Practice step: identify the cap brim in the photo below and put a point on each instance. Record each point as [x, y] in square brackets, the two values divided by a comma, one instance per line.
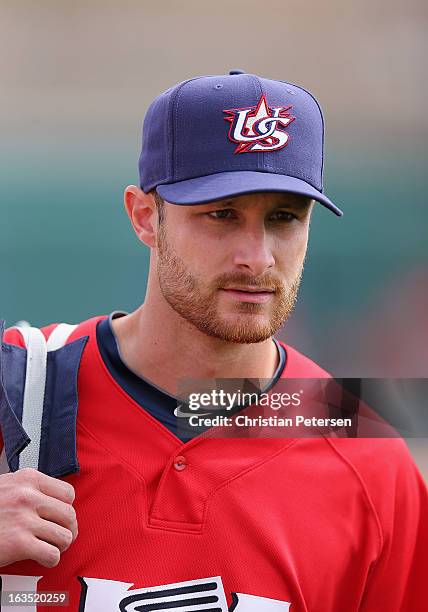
[229, 184]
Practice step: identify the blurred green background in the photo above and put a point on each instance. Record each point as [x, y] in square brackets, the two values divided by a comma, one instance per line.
[77, 79]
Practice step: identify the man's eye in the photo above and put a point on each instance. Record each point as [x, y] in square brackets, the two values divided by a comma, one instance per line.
[220, 214]
[283, 215]
[225, 213]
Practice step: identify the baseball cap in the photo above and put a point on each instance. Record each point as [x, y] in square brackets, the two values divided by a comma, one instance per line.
[213, 137]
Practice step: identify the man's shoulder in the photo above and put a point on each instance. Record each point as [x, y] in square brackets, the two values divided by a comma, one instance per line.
[387, 473]
[376, 459]
[380, 463]
[387, 451]
[298, 365]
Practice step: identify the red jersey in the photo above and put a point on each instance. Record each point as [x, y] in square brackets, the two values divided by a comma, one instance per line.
[250, 525]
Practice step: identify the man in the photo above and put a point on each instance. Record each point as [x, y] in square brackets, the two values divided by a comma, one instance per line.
[230, 169]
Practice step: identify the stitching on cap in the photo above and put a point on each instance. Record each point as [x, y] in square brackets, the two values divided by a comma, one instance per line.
[170, 161]
[322, 123]
[155, 177]
[177, 96]
[172, 101]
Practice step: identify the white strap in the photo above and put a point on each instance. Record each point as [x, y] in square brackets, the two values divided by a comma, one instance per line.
[34, 394]
[60, 335]
[35, 382]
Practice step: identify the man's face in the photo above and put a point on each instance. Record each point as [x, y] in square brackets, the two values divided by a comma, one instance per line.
[232, 268]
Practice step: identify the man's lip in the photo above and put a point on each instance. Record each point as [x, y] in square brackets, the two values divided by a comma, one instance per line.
[247, 294]
[249, 289]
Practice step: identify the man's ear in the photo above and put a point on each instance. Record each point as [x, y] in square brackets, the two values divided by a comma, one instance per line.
[141, 210]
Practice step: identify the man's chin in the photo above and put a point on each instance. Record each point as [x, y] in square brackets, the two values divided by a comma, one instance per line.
[245, 329]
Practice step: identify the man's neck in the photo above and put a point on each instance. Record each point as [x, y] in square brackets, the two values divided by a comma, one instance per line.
[176, 350]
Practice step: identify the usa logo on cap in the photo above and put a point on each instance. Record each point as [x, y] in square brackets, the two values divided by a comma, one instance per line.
[257, 128]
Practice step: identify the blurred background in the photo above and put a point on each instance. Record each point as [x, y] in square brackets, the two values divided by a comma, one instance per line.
[76, 81]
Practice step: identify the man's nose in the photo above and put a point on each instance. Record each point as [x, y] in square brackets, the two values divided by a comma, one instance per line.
[253, 252]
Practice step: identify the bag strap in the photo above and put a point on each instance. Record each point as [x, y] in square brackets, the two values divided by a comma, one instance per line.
[59, 336]
[34, 394]
[35, 381]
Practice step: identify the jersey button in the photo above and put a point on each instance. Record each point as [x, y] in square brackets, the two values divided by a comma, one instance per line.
[180, 463]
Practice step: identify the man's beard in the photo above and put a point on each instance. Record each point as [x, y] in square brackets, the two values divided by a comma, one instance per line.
[199, 305]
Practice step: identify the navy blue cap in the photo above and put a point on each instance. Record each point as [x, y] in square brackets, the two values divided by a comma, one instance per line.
[213, 137]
